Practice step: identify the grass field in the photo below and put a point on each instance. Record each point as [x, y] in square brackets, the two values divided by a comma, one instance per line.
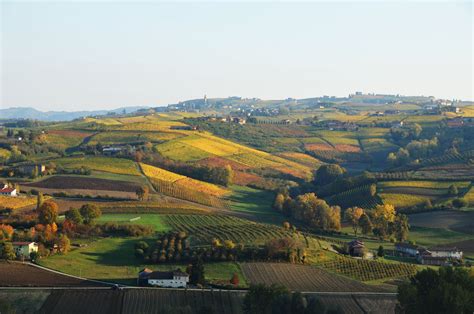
[112, 259]
[154, 220]
[257, 203]
[106, 164]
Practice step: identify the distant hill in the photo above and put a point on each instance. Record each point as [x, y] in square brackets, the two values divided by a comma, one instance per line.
[31, 113]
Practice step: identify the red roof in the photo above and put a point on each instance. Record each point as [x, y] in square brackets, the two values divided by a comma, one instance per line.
[7, 190]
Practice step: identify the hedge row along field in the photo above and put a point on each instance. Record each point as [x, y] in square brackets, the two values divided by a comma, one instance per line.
[105, 164]
[203, 228]
[301, 278]
[368, 270]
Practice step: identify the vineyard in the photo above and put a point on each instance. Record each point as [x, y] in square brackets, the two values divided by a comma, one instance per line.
[203, 228]
[106, 164]
[127, 137]
[360, 196]
[300, 278]
[368, 270]
[16, 202]
[403, 200]
[189, 194]
[180, 186]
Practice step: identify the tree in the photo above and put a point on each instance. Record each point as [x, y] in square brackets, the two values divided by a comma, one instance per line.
[286, 225]
[197, 275]
[142, 192]
[353, 214]
[39, 200]
[460, 202]
[380, 251]
[328, 173]
[64, 244]
[6, 232]
[228, 176]
[7, 252]
[453, 190]
[228, 244]
[74, 216]
[279, 201]
[384, 215]
[401, 227]
[48, 212]
[448, 290]
[365, 224]
[89, 212]
[235, 279]
[261, 299]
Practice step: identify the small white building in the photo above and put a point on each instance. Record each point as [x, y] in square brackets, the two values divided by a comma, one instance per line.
[24, 249]
[407, 249]
[172, 279]
[8, 191]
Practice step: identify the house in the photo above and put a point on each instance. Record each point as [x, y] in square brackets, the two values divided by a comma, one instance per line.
[407, 249]
[239, 120]
[397, 125]
[6, 190]
[427, 259]
[285, 121]
[111, 150]
[24, 249]
[171, 279]
[449, 252]
[356, 248]
[455, 123]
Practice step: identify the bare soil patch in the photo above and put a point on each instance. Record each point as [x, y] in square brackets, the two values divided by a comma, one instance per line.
[24, 275]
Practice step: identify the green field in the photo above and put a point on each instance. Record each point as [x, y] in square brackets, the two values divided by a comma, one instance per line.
[112, 259]
[256, 203]
[106, 164]
[157, 221]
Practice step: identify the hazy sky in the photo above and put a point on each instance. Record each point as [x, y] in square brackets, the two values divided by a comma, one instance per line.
[88, 55]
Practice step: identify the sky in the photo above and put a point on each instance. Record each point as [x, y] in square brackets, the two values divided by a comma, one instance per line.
[102, 55]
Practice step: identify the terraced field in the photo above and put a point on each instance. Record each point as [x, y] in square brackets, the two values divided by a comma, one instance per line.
[402, 200]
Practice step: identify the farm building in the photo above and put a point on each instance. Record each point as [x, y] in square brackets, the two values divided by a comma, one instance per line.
[24, 249]
[111, 150]
[449, 252]
[407, 249]
[428, 259]
[6, 190]
[356, 248]
[172, 279]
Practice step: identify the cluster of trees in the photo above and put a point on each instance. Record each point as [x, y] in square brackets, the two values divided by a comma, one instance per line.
[383, 221]
[276, 299]
[447, 290]
[175, 247]
[410, 132]
[414, 150]
[310, 209]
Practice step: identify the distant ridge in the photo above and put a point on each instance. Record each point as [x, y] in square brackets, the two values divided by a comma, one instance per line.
[32, 113]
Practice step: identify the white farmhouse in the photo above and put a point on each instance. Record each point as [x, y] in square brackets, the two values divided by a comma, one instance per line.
[172, 279]
[24, 249]
[8, 191]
